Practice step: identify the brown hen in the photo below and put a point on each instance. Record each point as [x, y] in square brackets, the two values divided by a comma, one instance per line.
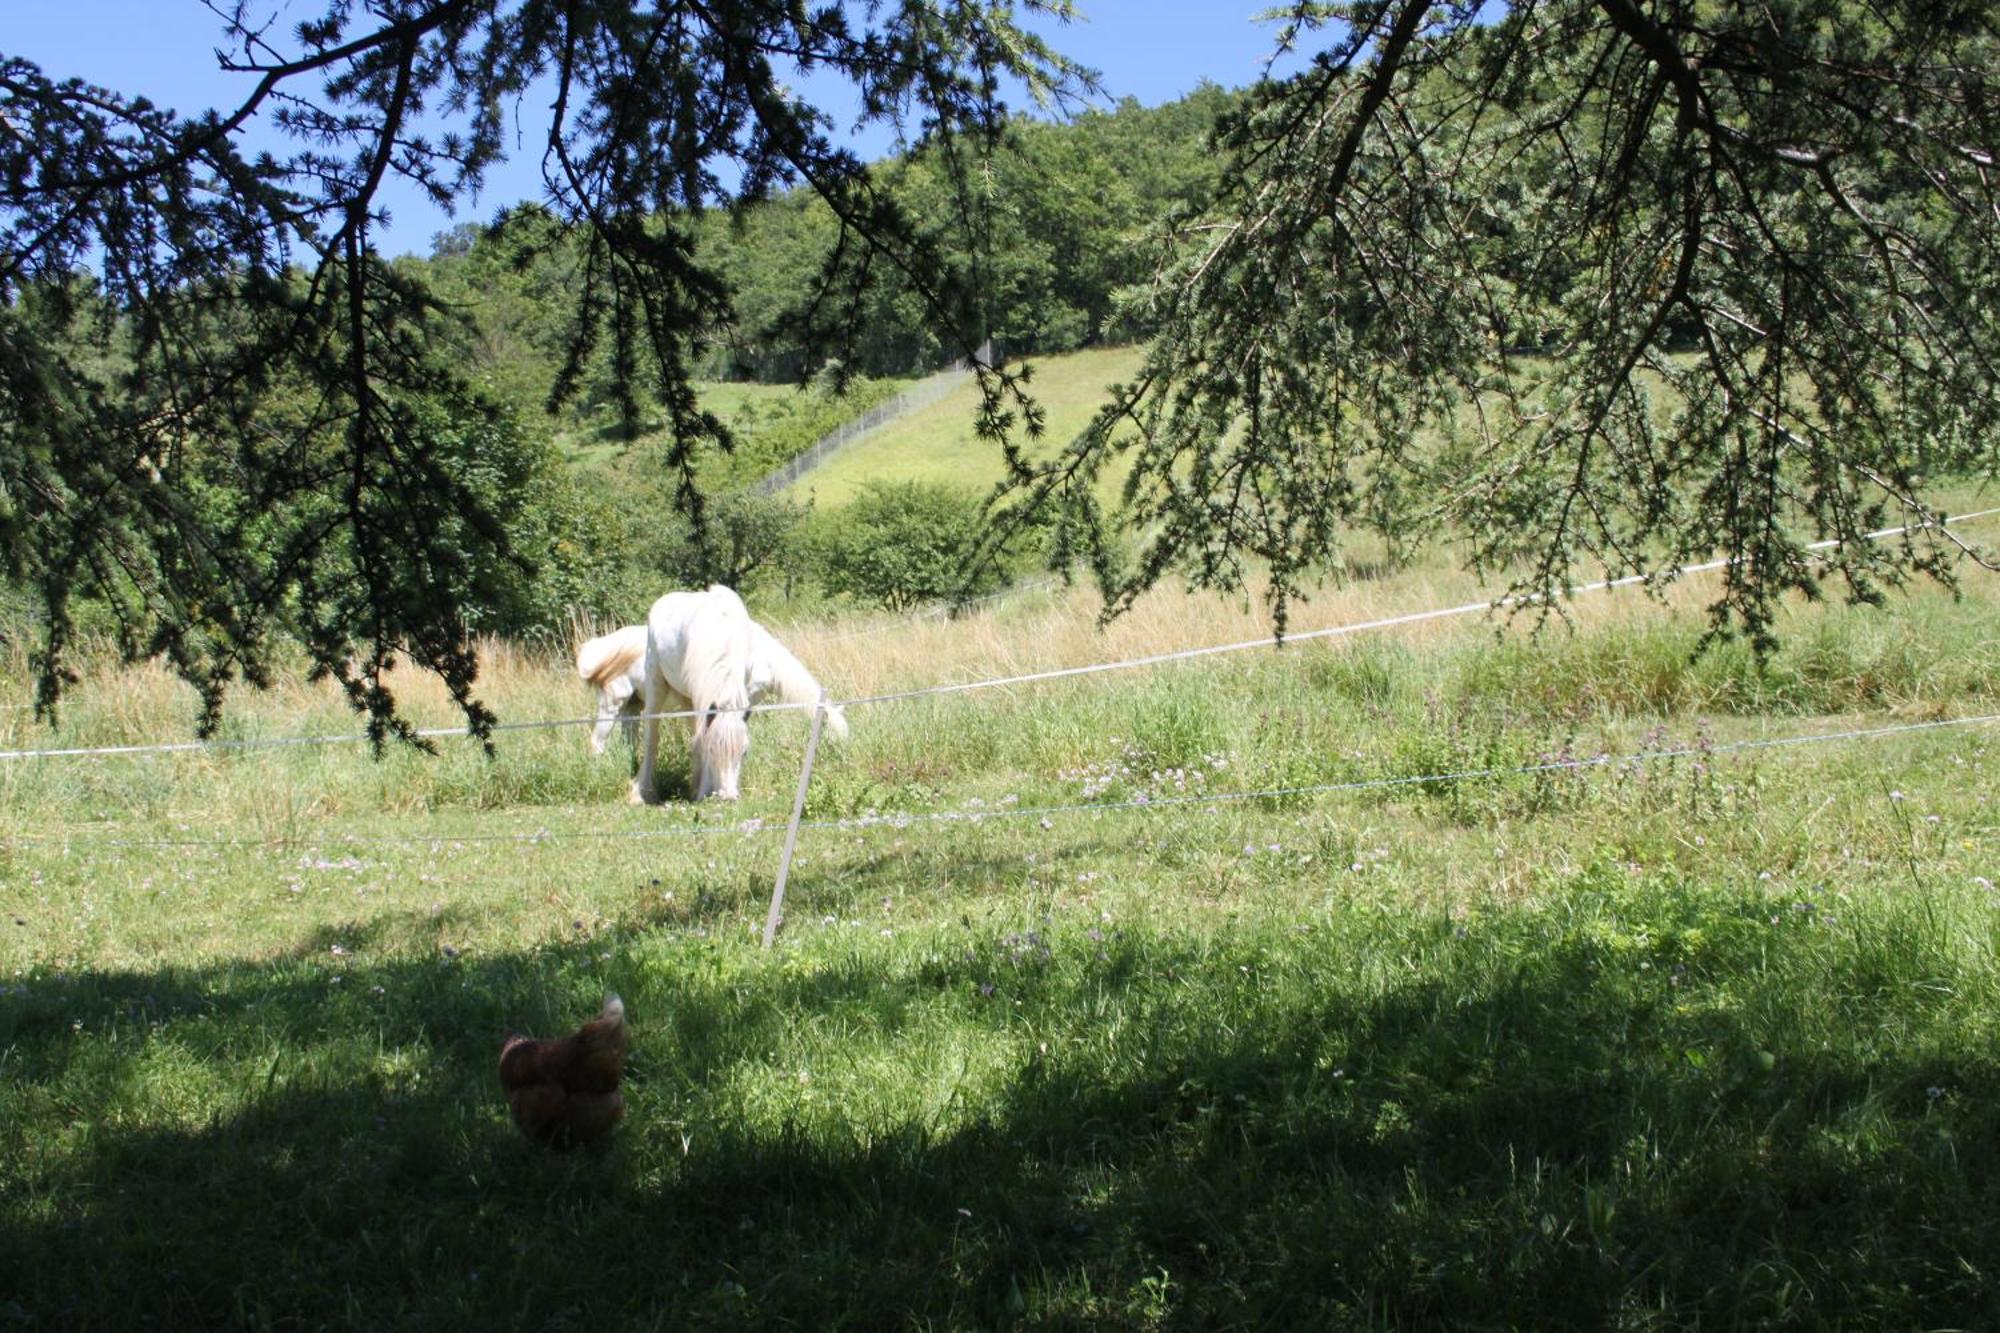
[564, 1091]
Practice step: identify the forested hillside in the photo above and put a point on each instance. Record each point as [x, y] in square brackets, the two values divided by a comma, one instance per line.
[1070, 209]
[1580, 287]
[1067, 215]
[599, 518]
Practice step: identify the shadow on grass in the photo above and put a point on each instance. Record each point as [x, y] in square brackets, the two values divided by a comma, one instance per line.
[1480, 1144]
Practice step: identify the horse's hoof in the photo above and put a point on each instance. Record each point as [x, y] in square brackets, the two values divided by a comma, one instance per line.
[636, 797]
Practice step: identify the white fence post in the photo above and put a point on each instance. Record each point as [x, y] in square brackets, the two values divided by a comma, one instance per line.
[792, 829]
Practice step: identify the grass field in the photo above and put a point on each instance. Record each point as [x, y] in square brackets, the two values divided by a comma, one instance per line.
[937, 445]
[1058, 1032]
[771, 422]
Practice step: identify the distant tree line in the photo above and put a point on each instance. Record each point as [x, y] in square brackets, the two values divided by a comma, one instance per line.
[1064, 210]
[247, 433]
[1066, 205]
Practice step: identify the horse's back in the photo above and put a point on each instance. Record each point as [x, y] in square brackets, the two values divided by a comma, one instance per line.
[722, 595]
[701, 643]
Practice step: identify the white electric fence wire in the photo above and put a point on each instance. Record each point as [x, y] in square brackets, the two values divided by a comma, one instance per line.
[961, 687]
[905, 819]
[1386, 622]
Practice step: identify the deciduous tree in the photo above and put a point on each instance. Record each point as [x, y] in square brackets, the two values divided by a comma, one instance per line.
[232, 432]
[1598, 284]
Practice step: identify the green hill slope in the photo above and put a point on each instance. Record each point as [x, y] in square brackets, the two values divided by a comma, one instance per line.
[772, 423]
[937, 443]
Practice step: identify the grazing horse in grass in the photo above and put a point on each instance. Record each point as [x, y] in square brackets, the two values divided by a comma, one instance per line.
[616, 665]
[697, 657]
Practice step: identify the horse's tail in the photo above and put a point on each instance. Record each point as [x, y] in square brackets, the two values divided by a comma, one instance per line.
[781, 677]
[609, 656]
[718, 666]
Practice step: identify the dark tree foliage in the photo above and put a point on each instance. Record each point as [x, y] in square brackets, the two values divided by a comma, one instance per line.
[1604, 283]
[243, 428]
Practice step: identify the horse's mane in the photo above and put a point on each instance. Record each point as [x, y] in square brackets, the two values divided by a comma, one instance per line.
[717, 661]
[776, 674]
[609, 656]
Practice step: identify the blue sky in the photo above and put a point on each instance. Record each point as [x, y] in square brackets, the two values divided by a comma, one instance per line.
[1153, 50]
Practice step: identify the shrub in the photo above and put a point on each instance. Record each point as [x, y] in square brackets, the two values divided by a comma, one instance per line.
[901, 544]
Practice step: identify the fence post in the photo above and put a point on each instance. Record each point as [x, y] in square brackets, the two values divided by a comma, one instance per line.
[792, 829]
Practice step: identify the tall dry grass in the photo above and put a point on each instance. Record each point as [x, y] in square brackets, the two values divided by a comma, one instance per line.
[860, 654]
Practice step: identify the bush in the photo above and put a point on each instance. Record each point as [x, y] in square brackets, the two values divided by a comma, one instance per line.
[901, 544]
[750, 540]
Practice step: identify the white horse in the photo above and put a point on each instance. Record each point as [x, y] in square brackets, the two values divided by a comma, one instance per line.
[616, 665]
[698, 657]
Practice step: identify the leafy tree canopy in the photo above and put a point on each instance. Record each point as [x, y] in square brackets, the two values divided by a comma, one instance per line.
[1617, 284]
[1594, 283]
[247, 428]
[901, 544]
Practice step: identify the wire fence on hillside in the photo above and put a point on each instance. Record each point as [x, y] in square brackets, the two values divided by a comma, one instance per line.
[913, 399]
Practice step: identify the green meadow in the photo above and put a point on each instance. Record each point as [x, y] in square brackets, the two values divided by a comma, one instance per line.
[1454, 977]
[938, 445]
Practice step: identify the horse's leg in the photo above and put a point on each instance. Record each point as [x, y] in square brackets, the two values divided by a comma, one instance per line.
[643, 792]
[630, 713]
[697, 758]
